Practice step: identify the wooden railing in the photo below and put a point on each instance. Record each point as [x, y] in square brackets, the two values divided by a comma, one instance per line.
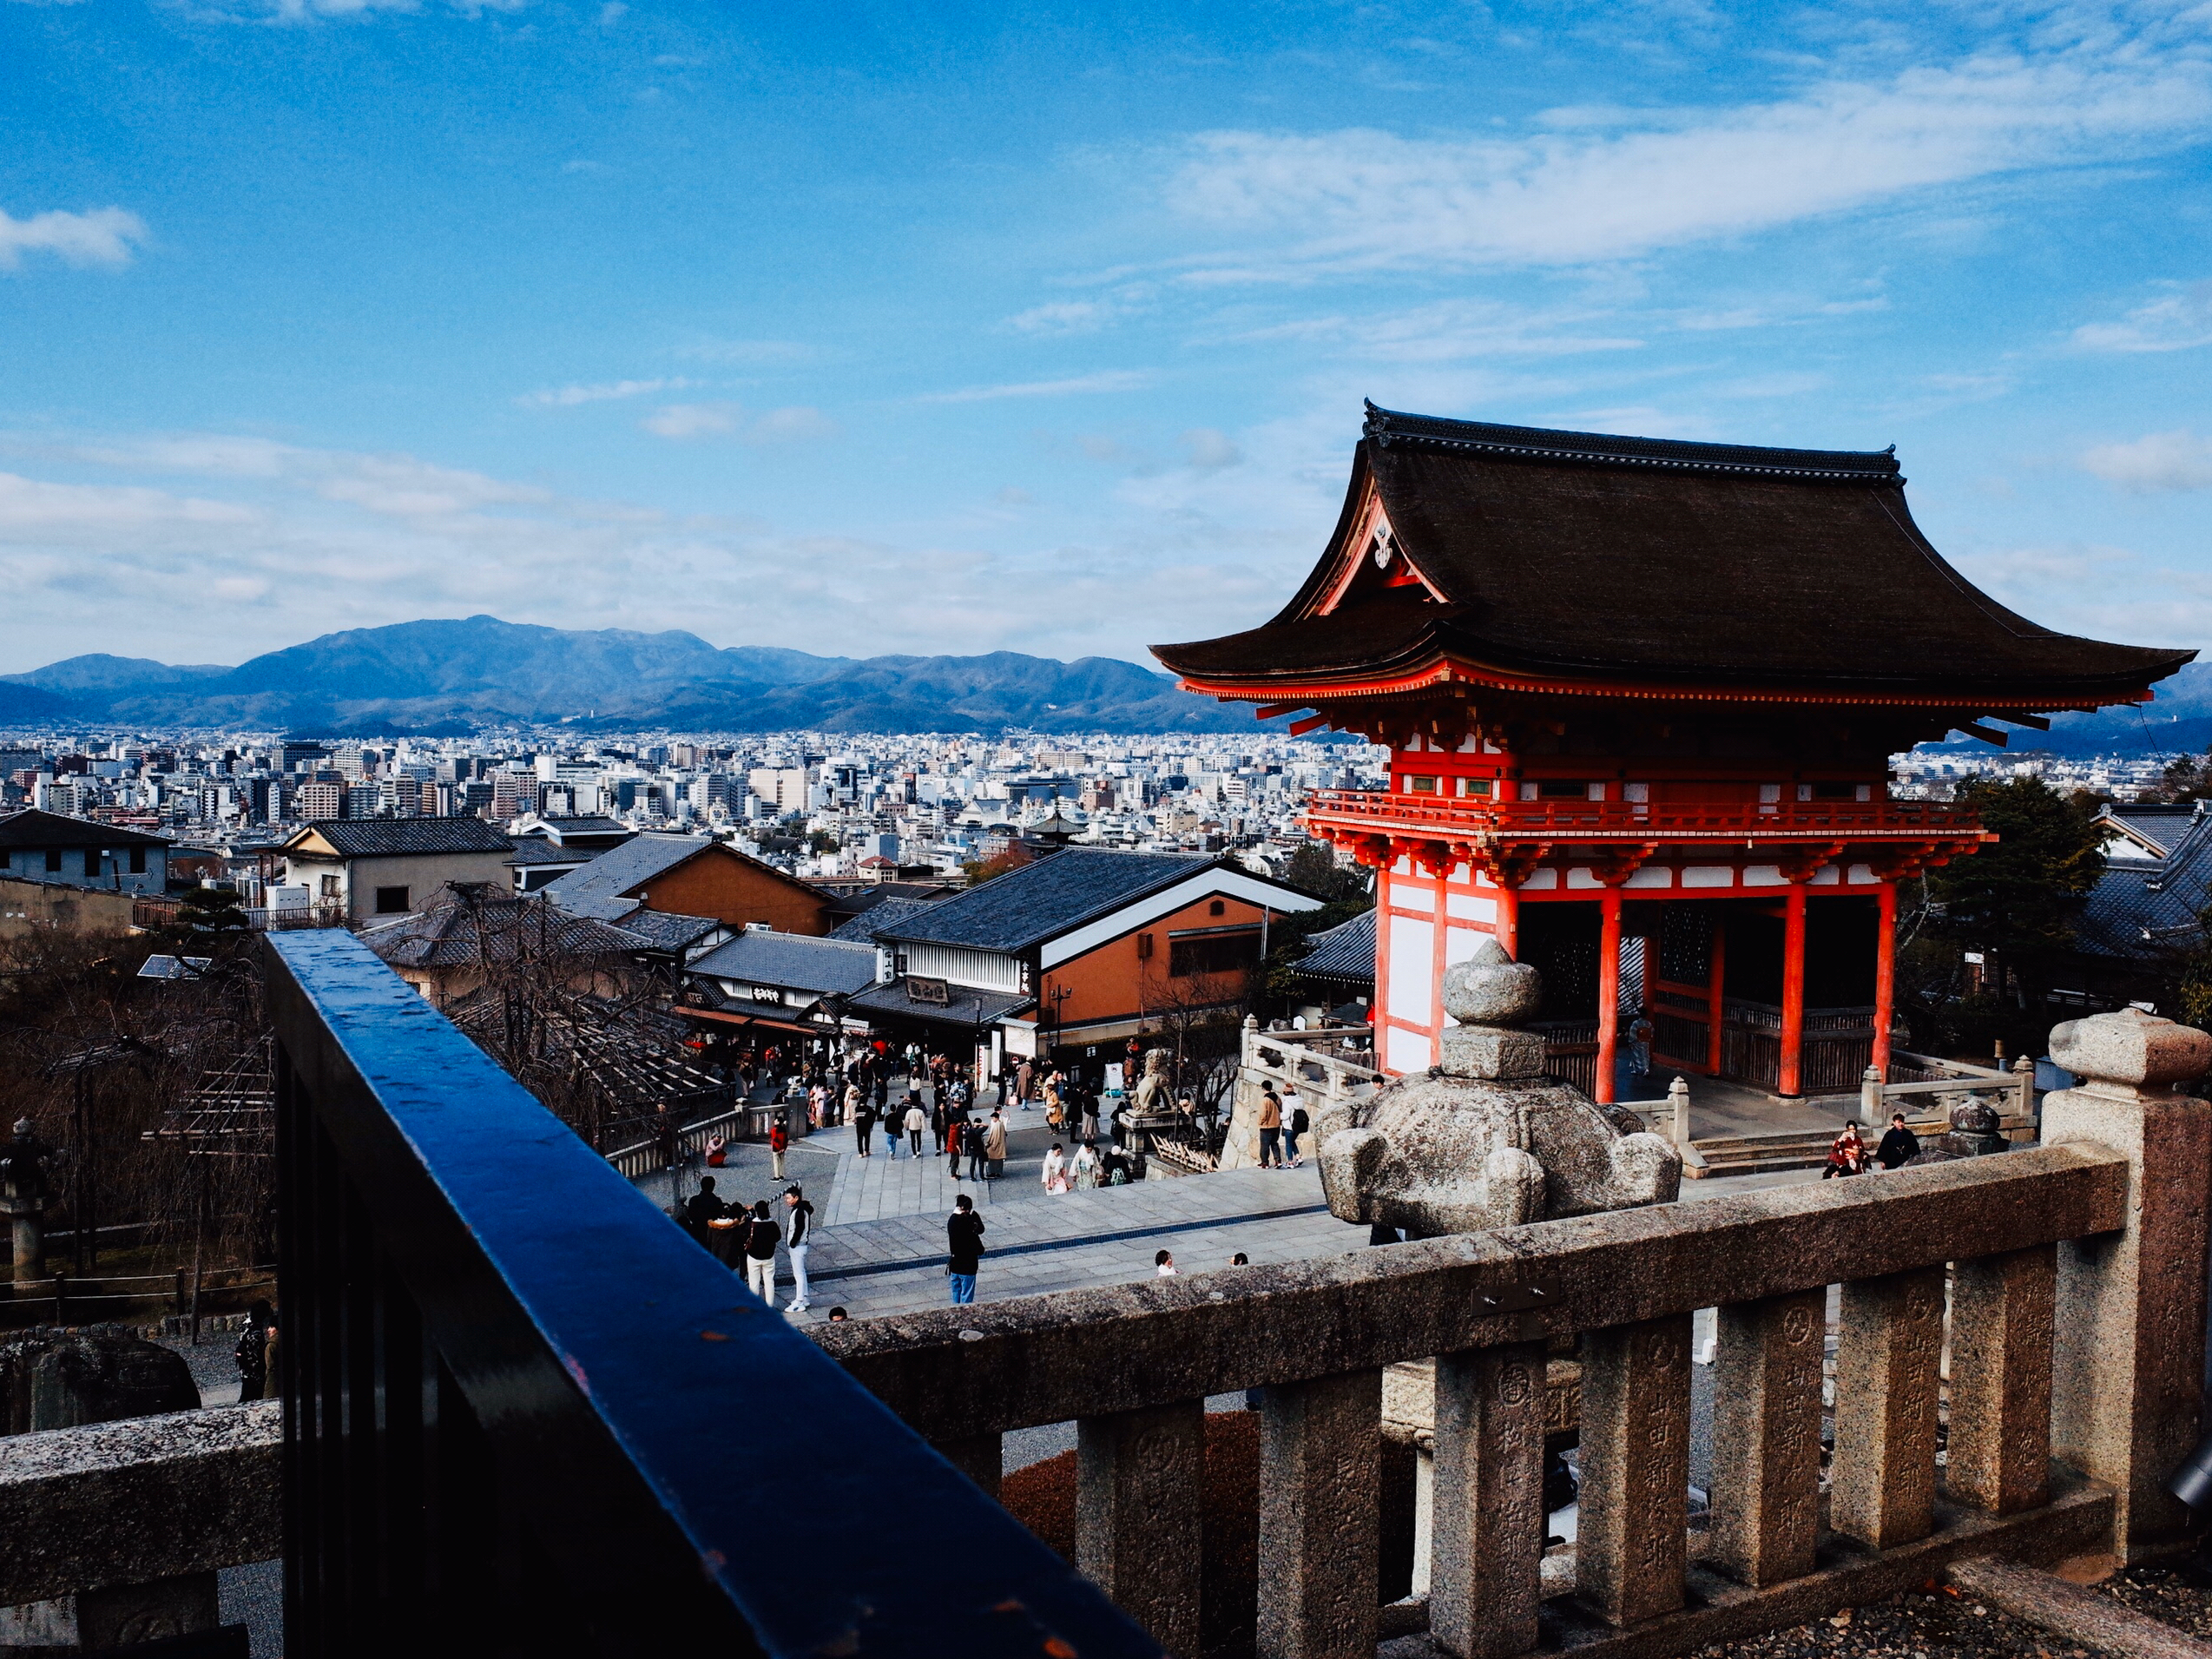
[1387, 812]
[1133, 1365]
[92, 1298]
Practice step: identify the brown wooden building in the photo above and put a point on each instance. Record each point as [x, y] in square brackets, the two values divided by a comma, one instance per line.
[687, 875]
[1635, 689]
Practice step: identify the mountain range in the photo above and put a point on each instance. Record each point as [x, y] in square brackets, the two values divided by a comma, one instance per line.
[447, 678]
[2179, 719]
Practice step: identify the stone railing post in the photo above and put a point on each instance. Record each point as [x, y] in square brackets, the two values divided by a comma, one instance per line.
[2128, 1368]
[1870, 1098]
[1678, 1105]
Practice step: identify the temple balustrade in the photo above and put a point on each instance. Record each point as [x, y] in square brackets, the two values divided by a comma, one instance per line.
[1389, 813]
[1949, 1281]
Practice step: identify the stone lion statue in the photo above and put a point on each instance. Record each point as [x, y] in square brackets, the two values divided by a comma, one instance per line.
[1483, 1140]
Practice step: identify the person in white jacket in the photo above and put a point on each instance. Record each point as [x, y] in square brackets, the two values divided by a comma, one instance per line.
[1055, 1175]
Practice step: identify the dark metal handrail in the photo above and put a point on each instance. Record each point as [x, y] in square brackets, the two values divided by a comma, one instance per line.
[523, 1414]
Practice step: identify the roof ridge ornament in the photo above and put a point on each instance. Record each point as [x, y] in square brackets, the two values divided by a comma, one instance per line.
[1385, 426]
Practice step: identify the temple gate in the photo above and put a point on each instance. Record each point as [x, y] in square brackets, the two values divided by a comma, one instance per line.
[1640, 697]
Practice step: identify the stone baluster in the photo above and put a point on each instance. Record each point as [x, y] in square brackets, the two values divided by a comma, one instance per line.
[1766, 1437]
[1321, 1505]
[2130, 1321]
[1486, 1514]
[1882, 1489]
[1140, 1477]
[1633, 1535]
[1998, 1454]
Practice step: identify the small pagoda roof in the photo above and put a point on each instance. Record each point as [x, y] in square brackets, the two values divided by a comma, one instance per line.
[1578, 561]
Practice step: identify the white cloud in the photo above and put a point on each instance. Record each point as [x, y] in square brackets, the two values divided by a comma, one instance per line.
[1209, 447]
[693, 419]
[1063, 317]
[1451, 330]
[1367, 199]
[612, 13]
[2179, 317]
[569, 396]
[2175, 460]
[103, 236]
[270, 543]
[799, 423]
[1108, 380]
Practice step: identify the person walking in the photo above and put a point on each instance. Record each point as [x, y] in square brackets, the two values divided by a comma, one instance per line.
[253, 1351]
[964, 1234]
[779, 1142]
[1024, 1080]
[1899, 1145]
[761, 1236]
[940, 1120]
[799, 1226]
[1054, 1174]
[864, 1126]
[1846, 1153]
[994, 1148]
[918, 1123]
[852, 1102]
[1295, 1125]
[1270, 1128]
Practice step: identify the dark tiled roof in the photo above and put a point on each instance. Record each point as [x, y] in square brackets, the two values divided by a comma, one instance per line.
[2162, 826]
[529, 849]
[1345, 952]
[1037, 901]
[371, 838]
[883, 914]
[598, 889]
[453, 930]
[2141, 910]
[665, 930]
[962, 1006]
[795, 961]
[34, 828]
[590, 823]
[1595, 558]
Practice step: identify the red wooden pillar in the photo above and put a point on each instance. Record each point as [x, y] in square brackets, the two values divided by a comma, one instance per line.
[1509, 918]
[1608, 988]
[1715, 999]
[1885, 976]
[1792, 992]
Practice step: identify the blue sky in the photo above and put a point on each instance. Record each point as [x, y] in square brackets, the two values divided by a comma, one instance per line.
[913, 328]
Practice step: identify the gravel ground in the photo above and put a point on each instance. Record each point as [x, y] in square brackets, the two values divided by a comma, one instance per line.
[1942, 1624]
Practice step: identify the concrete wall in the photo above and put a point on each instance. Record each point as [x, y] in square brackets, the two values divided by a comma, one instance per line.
[85, 866]
[32, 907]
[422, 874]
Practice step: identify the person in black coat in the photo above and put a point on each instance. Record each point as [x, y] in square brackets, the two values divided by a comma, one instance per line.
[963, 1240]
[1899, 1146]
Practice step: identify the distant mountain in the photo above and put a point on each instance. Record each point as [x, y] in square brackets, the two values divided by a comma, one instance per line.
[438, 678]
[2180, 718]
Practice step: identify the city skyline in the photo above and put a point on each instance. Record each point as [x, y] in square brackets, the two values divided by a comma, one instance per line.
[903, 333]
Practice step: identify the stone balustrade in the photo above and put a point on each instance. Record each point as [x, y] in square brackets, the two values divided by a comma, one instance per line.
[2098, 1235]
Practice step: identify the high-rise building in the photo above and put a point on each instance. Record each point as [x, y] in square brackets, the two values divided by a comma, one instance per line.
[314, 800]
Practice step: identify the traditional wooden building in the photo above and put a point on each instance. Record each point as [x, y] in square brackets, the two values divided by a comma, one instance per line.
[1636, 689]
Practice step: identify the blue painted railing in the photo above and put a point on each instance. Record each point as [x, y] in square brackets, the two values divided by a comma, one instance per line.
[524, 1414]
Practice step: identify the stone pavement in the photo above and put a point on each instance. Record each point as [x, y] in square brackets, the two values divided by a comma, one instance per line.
[896, 1265]
[874, 1188]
